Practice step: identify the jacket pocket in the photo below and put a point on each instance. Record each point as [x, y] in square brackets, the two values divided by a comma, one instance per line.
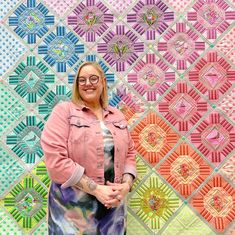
[79, 131]
[120, 124]
[121, 131]
[78, 122]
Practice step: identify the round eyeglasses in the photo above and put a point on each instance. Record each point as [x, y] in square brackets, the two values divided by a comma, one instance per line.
[93, 79]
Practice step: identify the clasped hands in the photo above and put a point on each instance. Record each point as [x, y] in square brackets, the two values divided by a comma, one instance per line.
[112, 194]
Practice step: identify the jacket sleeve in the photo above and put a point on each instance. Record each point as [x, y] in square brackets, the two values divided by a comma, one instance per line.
[130, 161]
[54, 140]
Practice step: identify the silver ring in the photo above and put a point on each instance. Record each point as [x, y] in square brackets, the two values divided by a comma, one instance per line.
[118, 197]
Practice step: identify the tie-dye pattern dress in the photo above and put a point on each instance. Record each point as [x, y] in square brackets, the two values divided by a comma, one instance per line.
[74, 212]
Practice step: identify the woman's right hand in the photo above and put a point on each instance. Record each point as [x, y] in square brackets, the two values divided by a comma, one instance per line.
[105, 193]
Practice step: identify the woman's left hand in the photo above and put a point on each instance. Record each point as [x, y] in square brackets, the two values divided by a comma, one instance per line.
[123, 189]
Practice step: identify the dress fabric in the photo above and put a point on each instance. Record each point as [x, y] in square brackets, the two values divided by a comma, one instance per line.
[74, 212]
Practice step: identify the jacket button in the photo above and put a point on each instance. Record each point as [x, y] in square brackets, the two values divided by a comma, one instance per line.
[99, 179]
[100, 164]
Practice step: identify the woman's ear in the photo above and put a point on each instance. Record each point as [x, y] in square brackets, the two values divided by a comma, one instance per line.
[104, 80]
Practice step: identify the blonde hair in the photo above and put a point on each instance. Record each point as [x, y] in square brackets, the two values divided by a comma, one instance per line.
[76, 98]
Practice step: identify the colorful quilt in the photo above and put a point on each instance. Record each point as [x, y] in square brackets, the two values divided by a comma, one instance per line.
[170, 67]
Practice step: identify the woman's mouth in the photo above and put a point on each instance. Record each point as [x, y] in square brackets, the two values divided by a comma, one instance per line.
[89, 90]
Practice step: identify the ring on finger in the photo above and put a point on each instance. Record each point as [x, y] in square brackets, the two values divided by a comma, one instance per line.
[118, 197]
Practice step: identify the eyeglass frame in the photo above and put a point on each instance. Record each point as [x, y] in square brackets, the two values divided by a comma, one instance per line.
[88, 78]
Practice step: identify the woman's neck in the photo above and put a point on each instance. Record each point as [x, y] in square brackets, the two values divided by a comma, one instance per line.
[94, 107]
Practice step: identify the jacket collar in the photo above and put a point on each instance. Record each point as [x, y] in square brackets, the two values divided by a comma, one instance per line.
[83, 107]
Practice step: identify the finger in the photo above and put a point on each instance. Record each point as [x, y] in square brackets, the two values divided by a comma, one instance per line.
[115, 187]
[109, 199]
[113, 194]
[112, 205]
[115, 200]
[107, 206]
[110, 183]
[119, 197]
[113, 184]
[111, 202]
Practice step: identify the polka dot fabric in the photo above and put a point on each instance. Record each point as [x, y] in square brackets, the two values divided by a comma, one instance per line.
[6, 6]
[60, 6]
[228, 105]
[10, 170]
[7, 226]
[120, 6]
[10, 108]
[227, 45]
[11, 50]
[179, 5]
[41, 230]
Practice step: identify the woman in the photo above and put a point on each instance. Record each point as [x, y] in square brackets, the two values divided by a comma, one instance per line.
[90, 158]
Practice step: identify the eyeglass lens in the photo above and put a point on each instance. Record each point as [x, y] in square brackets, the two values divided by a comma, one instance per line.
[93, 79]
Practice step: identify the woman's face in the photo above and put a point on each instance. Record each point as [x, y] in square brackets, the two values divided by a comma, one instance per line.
[90, 85]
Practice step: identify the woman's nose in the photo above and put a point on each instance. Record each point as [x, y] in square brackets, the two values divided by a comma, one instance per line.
[87, 81]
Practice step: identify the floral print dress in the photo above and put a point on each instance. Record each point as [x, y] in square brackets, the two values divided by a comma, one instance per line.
[73, 212]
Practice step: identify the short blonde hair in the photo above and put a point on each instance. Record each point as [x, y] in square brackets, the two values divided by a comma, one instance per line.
[76, 98]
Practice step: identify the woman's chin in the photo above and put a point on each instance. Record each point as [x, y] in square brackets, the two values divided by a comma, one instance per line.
[90, 99]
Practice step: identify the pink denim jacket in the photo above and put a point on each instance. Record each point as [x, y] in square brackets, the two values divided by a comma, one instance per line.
[72, 142]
